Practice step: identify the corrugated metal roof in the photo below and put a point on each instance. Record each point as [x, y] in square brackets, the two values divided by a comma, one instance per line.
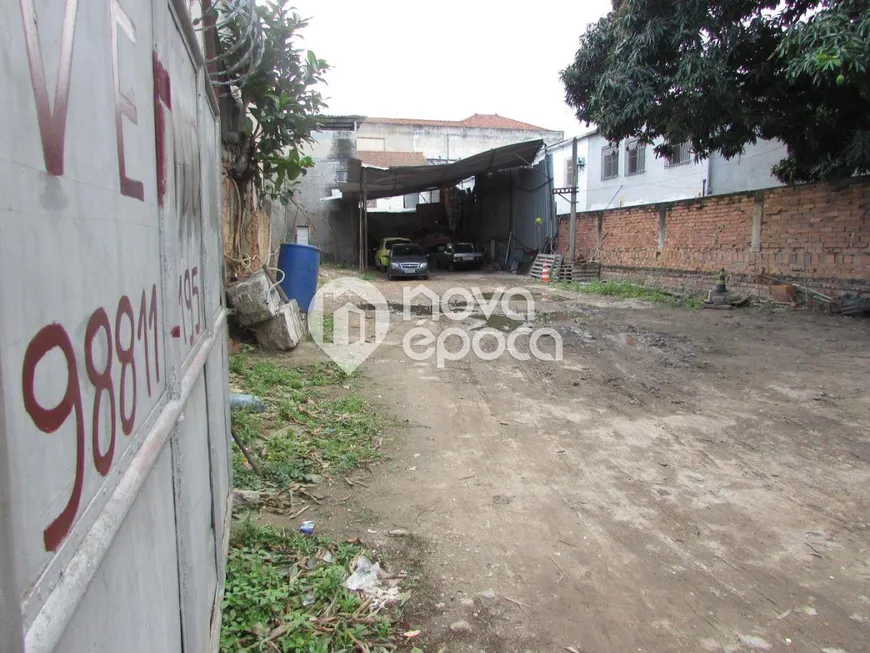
[392, 159]
[405, 180]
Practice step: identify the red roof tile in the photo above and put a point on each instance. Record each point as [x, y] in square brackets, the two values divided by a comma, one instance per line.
[495, 121]
[484, 120]
[392, 159]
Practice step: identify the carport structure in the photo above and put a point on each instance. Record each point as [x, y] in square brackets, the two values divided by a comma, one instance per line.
[501, 215]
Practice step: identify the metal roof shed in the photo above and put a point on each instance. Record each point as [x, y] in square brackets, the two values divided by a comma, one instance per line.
[389, 182]
[372, 182]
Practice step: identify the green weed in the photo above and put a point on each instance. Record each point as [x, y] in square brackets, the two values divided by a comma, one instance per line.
[328, 328]
[288, 589]
[301, 432]
[260, 376]
[629, 290]
[285, 591]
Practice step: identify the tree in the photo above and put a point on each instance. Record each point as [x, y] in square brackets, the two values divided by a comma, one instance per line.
[723, 73]
[279, 93]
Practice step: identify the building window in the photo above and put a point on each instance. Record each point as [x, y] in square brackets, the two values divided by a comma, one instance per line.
[635, 158]
[681, 156]
[609, 162]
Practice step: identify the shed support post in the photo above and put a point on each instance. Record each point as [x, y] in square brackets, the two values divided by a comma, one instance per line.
[364, 227]
[573, 226]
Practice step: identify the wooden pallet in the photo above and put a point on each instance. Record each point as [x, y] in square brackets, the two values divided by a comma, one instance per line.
[553, 261]
[580, 273]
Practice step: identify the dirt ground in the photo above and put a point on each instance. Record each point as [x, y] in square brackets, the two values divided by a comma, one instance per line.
[681, 481]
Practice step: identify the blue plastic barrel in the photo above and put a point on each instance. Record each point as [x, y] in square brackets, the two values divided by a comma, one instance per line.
[301, 266]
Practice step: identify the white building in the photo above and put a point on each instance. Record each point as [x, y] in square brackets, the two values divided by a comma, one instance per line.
[628, 173]
[445, 141]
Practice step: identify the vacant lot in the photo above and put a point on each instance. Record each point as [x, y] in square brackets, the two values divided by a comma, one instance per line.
[684, 480]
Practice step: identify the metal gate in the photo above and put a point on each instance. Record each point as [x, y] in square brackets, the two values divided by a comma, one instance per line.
[114, 457]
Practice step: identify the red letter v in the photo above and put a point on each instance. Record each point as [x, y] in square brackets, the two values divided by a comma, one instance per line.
[52, 124]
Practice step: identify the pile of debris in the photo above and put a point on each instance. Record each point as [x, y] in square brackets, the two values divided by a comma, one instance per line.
[260, 305]
[793, 294]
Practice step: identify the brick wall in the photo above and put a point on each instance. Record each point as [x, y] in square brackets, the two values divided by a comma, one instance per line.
[818, 233]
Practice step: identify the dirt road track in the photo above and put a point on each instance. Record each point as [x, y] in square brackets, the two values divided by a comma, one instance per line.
[681, 481]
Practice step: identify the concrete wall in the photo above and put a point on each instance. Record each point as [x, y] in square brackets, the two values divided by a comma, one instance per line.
[331, 223]
[448, 143]
[749, 171]
[113, 370]
[819, 233]
[561, 159]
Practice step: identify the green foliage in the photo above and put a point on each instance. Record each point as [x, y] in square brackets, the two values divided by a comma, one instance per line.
[288, 588]
[720, 74]
[628, 290]
[260, 375]
[301, 432]
[831, 43]
[328, 327]
[282, 99]
[284, 587]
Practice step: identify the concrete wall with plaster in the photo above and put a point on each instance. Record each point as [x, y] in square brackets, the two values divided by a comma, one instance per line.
[749, 171]
[658, 182]
[331, 223]
[445, 143]
[561, 153]
[112, 229]
[661, 182]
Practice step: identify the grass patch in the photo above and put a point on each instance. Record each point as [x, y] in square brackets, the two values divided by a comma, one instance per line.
[288, 589]
[284, 590]
[301, 432]
[328, 328]
[629, 290]
[265, 378]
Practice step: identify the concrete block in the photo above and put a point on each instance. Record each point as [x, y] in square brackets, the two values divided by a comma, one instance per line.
[284, 331]
[254, 299]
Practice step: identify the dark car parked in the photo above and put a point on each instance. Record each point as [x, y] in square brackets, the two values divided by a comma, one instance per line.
[460, 255]
[408, 260]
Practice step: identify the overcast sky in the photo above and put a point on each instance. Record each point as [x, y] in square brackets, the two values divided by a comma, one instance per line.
[449, 59]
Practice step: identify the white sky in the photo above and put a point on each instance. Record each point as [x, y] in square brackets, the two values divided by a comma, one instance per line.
[449, 59]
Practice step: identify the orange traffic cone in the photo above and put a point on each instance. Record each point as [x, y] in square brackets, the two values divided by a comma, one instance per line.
[545, 273]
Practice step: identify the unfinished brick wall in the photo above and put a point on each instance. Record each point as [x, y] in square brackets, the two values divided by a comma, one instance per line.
[817, 233]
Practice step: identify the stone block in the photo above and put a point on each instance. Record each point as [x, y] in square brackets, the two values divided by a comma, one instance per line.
[284, 331]
[254, 299]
